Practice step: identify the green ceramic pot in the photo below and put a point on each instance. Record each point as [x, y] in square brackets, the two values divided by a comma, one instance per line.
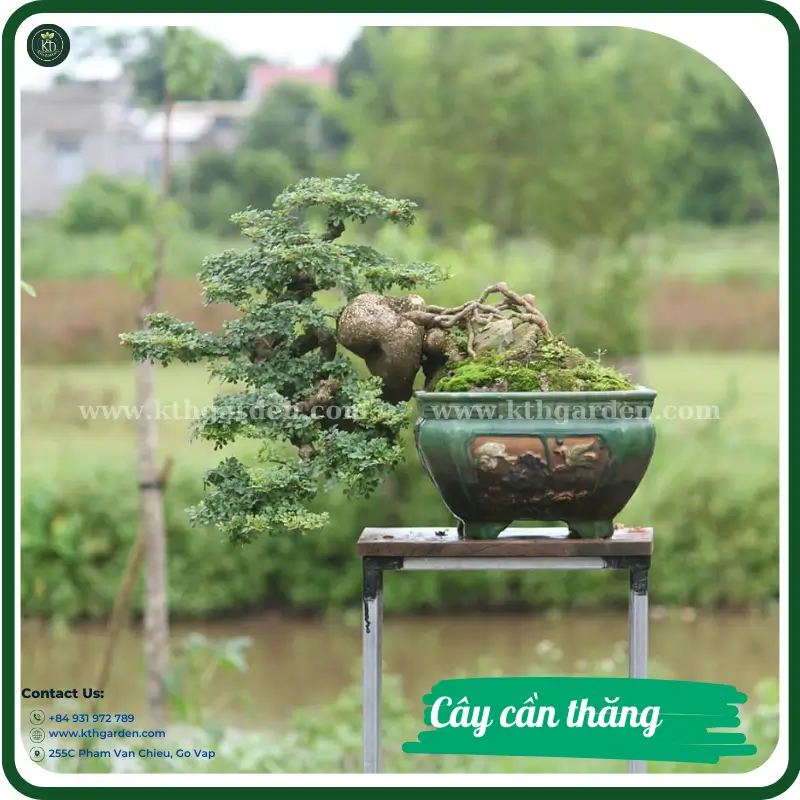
[501, 457]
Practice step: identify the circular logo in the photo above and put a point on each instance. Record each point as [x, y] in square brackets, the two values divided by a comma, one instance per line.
[48, 45]
[37, 735]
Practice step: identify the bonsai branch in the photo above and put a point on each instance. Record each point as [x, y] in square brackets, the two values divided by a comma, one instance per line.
[263, 348]
[333, 230]
[324, 396]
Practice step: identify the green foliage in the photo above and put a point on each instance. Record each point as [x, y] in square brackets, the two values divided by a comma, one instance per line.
[574, 134]
[51, 253]
[145, 54]
[357, 65]
[628, 128]
[261, 175]
[494, 125]
[598, 297]
[104, 203]
[728, 172]
[189, 63]
[138, 242]
[211, 212]
[682, 252]
[717, 542]
[703, 504]
[294, 119]
[283, 357]
[207, 169]
[551, 366]
[565, 132]
[196, 666]
[293, 131]
[216, 184]
[80, 528]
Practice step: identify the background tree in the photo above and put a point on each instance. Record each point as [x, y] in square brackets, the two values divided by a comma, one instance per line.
[228, 73]
[539, 136]
[188, 73]
[357, 63]
[217, 184]
[727, 170]
[297, 120]
[143, 52]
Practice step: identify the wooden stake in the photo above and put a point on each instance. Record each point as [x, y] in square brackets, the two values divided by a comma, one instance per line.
[122, 602]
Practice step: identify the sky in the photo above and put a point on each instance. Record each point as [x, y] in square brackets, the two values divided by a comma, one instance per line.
[296, 39]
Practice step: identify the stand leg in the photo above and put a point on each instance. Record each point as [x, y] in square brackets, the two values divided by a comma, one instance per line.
[372, 595]
[637, 634]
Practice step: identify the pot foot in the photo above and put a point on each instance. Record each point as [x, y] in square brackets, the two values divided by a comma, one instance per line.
[590, 530]
[480, 530]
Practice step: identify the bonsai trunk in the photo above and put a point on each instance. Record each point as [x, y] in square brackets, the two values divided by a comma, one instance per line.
[156, 609]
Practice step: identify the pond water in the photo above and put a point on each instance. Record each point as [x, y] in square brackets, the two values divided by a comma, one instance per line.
[297, 663]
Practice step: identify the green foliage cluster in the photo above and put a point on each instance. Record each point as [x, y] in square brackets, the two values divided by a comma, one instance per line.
[217, 184]
[105, 203]
[549, 366]
[77, 535]
[282, 356]
[300, 121]
[567, 132]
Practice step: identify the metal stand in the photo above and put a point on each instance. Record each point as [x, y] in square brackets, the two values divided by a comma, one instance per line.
[406, 549]
[372, 590]
[638, 619]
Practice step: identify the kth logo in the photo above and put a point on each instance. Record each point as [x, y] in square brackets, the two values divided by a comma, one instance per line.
[48, 45]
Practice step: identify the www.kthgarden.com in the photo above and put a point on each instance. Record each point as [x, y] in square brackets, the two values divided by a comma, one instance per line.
[511, 409]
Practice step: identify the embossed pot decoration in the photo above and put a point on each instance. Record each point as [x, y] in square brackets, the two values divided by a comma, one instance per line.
[501, 457]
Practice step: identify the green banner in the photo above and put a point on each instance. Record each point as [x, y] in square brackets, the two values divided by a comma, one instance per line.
[614, 718]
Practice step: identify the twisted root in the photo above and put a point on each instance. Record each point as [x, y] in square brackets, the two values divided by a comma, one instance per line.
[474, 314]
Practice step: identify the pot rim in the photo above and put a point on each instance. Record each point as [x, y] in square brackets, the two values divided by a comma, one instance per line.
[640, 393]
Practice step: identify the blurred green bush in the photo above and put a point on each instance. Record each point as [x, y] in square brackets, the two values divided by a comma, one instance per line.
[717, 545]
[216, 185]
[107, 203]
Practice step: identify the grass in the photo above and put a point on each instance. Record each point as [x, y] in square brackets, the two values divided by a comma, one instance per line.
[744, 386]
[686, 252]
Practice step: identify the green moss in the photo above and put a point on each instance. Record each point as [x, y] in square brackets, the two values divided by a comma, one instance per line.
[550, 365]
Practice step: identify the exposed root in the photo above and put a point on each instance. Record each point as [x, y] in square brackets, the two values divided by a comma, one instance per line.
[475, 314]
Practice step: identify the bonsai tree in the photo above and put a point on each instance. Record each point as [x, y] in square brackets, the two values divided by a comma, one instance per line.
[289, 355]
